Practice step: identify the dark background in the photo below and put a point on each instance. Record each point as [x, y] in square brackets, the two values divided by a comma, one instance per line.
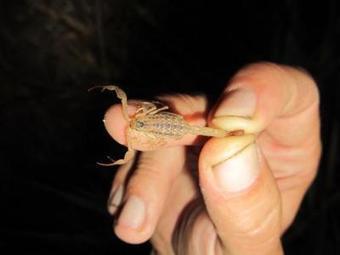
[53, 196]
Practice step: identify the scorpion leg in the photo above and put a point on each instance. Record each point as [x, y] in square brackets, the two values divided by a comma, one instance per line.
[121, 95]
[129, 155]
[158, 110]
[145, 107]
[149, 108]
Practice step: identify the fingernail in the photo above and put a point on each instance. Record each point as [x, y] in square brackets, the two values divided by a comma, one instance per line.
[115, 199]
[133, 213]
[239, 102]
[238, 172]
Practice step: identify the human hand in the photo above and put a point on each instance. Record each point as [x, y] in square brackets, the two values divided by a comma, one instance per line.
[244, 191]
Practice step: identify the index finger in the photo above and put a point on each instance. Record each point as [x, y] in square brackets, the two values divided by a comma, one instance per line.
[281, 105]
[282, 100]
[192, 108]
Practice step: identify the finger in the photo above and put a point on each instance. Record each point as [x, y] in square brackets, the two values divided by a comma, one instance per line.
[146, 193]
[169, 236]
[241, 196]
[192, 108]
[118, 187]
[281, 103]
[262, 93]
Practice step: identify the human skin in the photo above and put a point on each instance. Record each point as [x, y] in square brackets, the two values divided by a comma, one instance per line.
[234, 195]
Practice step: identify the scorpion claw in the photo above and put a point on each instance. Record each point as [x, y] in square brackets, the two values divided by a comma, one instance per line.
[113, 162]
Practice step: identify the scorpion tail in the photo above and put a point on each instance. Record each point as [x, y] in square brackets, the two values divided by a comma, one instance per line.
[215, 132]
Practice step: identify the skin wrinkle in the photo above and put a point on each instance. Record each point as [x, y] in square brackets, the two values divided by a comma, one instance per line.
[256, 76]
[287, 150]
[314, 104]
[245, 226]
[257, 228]
[301, 81]
[297, 181]
[289, 90]
[256, 232]
[301, 142]
[235, 154]
[236, 116]
[283, 171]
[307, 168]
[224, 97]
[260, 246]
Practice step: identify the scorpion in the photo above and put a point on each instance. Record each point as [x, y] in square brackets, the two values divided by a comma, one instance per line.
[156, 124]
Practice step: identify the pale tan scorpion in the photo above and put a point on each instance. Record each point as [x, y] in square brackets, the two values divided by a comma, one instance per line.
[156, 125]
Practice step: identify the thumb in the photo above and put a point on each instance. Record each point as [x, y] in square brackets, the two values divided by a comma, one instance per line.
[241, 196]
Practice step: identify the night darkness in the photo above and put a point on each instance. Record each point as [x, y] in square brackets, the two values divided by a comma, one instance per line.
[53, 195]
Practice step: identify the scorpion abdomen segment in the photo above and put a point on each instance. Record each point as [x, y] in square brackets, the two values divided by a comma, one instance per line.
[162, 125]
[207, 131]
